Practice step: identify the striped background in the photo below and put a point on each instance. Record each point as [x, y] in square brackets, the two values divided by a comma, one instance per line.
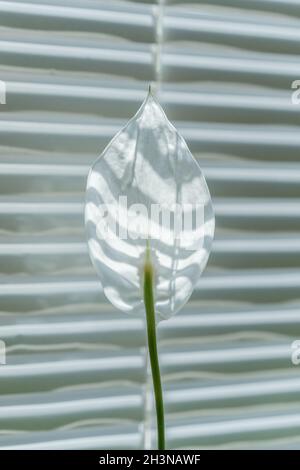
[76, 71]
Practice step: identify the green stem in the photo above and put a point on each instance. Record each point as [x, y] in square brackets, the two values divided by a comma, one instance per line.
[152, 346]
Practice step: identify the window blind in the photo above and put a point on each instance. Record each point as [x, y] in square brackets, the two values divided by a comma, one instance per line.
[75, 72]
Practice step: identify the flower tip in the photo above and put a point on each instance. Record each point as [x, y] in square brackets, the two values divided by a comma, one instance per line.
[148, 263]
[150, 90]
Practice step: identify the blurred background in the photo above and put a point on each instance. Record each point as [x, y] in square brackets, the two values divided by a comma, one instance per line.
[75, 71]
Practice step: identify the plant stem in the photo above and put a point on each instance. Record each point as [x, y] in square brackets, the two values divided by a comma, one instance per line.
[152, 346]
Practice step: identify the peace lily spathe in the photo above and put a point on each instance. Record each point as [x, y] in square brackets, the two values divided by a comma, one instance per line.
[146, 263]
[147, 164]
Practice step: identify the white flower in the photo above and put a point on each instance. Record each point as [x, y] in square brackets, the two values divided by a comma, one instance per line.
[146, 189]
